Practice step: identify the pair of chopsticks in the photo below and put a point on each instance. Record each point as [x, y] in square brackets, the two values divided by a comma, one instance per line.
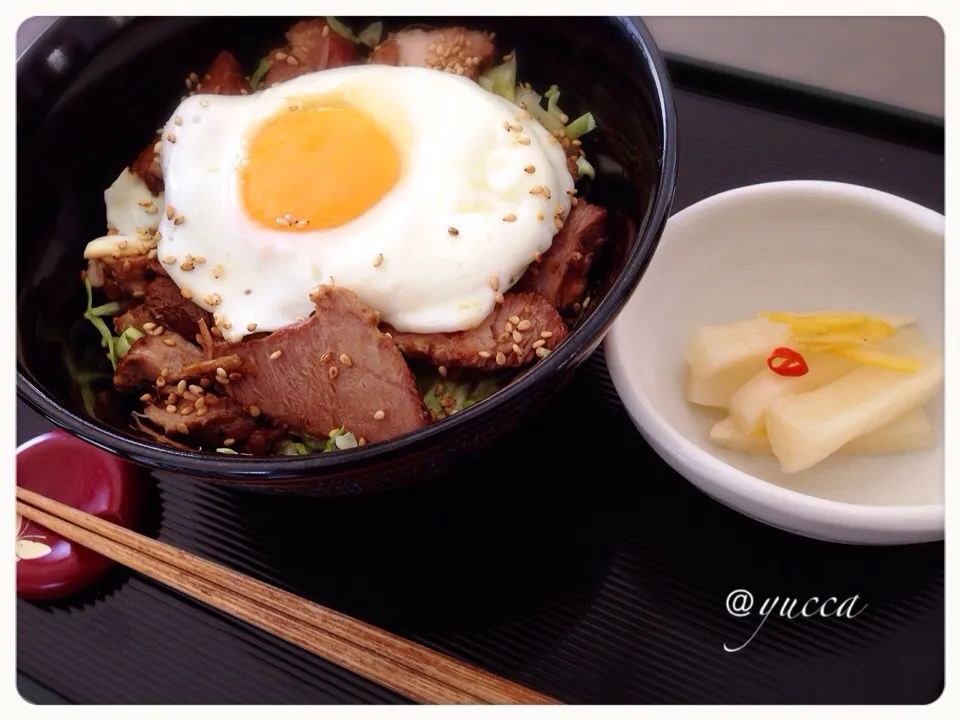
[418, 673]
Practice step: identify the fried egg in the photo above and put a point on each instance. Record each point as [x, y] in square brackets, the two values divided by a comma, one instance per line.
[418, 190]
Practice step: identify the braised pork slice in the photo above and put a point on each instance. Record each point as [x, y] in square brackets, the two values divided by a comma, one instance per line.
[136, 317]
[172, 310]
[312, 46]
[223, 77]
[454, 50]
[124, 275]
[522, 328]
[217, 422]
[561, 277]
[155, 356]
[334, 369]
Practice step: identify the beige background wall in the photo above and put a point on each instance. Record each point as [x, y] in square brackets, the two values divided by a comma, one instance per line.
[894, 60]
[899, 61]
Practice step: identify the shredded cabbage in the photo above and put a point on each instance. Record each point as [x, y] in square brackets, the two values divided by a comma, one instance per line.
[257, 78]
[127, 338]
[585, 168]
[463, 393]
[581, 126]
[107, 340]
[370, 36]
[342, 30]
[502, 79]
[338, 439]
[227, 451]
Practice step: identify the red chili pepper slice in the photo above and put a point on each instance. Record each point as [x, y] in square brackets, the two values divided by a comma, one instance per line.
[787, 362]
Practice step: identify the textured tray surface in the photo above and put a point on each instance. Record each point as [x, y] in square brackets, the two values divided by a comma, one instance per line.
[572, 559]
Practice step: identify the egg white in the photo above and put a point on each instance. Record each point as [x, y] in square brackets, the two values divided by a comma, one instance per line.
[462, 169]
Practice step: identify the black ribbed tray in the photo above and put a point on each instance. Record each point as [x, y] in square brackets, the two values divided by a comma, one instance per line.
[572, 559]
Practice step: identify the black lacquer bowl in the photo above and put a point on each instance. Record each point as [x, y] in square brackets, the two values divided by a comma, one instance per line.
[90, 90]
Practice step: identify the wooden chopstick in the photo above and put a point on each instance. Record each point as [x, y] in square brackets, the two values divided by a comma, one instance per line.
[421, 674]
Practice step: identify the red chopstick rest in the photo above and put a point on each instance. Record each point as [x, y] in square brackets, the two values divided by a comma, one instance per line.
[75, 473]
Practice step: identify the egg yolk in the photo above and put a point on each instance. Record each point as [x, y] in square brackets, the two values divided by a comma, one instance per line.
[316, 167]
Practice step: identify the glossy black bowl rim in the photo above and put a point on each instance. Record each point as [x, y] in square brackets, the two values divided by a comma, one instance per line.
[572, 351]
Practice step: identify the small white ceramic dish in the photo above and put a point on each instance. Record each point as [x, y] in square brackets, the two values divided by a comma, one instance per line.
[789, 246]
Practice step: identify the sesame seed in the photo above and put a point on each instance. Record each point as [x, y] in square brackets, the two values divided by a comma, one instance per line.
[345, 359]
[558, 222]
[442, 370]
[572, 192]
[334, 371]
[326, 357]
[498, 298]
[546, 334]
[517, 337]
[146, 397]
[215, 299]
[530, 169]
[158, 147]
[275, 354]
[524, 325]
[453, 231]
[280, 56]
[586, 302]
[223, 381]
[378, 260]
[302, 223]
[178, 220]
[538, 256]
[283, 222]
[559, 210]
[229, 441]
[574, 201]
[546, 192]
[171, 138]
[517, 350]
[509, 217]
[539, 217]
[508, 327]
[494, 282]
[251, 327]
[160, 382]
[539, 344]
[196, 390]
[199, 260]
[226, 325]
[217, 271]
[501, 358]
[484, 354]
[379, 415]
[523, 140]
[177, 120]
[186, 292]
[187, 266]
[159, 330]
[255, 411]
[171, 408]
[247, 291]
[169, 342]
[188, 410]
[542, 352]
[183, 429]
[516, 127]
[291, 60]
[536, 190]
